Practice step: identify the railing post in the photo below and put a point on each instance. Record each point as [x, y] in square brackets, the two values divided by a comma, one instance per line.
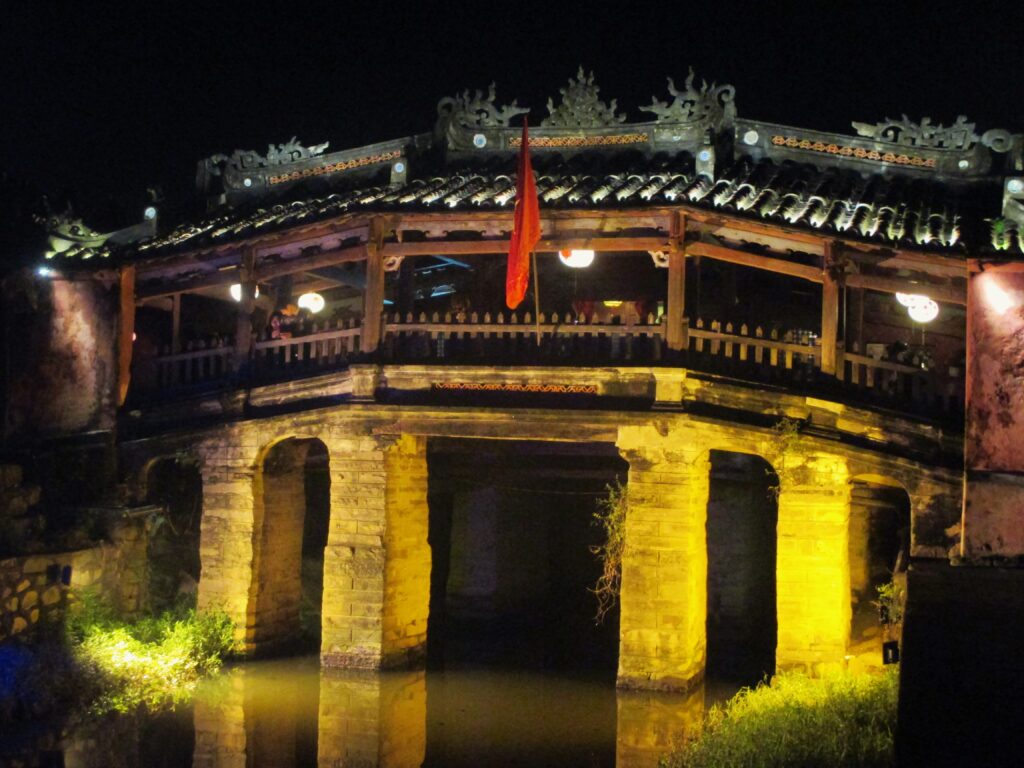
[373, 296]
[829, 312]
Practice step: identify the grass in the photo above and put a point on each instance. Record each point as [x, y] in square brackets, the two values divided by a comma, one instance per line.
[839, 721]
[104, 664]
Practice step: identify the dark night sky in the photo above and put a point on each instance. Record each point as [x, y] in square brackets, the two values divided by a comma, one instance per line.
[101, 104]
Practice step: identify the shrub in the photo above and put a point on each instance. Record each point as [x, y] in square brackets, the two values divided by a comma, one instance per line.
[841, 721]
[154, 662]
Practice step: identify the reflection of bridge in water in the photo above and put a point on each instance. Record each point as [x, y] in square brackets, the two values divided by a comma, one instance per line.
[290, 714]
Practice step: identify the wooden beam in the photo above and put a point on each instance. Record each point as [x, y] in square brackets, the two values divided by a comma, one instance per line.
[223, 277]
[470, 247]
[946, 293]
[317, 261]
[829, 314]
[769, 263]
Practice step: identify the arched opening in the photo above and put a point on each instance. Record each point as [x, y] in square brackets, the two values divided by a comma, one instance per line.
[173, 547]
[879, 554]
[512, 531]
[742, 518]
[289, 545]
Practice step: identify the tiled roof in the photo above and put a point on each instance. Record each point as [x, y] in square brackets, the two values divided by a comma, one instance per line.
[894, 210]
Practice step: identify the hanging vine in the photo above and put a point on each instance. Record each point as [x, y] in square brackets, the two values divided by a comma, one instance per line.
[610, 515]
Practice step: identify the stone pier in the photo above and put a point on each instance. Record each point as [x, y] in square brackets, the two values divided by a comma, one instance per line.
[377, 562]
[662, 636]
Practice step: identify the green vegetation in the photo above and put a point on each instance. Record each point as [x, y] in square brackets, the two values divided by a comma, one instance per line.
[892, 596]
[101, 663]
[611, 516]
[150, 663]
[839, 721]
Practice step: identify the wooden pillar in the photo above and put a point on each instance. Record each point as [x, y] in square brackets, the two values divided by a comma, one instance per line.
[175, 323]
[829, 315]
[675, 309]
[373, 296]
[243, 334]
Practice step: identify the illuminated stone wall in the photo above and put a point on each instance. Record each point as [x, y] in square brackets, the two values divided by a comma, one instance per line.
[813, 571]
[63, 376]
[664, 568]
[377, 561]
[279, 486]
[37, 589]
[995, 415]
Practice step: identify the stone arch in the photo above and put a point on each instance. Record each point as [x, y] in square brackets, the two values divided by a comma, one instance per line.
[742, 543]
[286, 504]
[879, 552]
[175, 483]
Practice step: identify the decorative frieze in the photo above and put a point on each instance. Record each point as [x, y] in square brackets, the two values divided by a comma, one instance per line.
[960, 135]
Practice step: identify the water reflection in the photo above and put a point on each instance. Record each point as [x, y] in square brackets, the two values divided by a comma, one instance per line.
[289, 714]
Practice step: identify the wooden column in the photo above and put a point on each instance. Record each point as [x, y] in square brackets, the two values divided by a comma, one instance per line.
[243, 334]
[373, 296]
[829, 314]
[675, 307]
[175, 323]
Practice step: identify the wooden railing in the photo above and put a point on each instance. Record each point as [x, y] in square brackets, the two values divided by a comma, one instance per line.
[785, 358]
[326, 346]
[201, 361]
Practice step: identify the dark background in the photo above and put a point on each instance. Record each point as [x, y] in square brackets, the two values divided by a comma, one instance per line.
[101, 101]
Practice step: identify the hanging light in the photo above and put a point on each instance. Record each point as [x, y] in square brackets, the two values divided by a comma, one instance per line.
[236, 292]
[577, 258]
[923, 311]
[920, 308]
[312, 301]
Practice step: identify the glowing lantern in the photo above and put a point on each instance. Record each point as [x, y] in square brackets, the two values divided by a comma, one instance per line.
[577, 258]
[314, 302]
[236, 292]
[920, 308]
[923, 311]
[613, 304]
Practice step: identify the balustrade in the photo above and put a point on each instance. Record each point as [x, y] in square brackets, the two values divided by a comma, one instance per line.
[789, 358]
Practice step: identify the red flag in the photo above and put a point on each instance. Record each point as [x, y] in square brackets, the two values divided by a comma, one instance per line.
[525, 227]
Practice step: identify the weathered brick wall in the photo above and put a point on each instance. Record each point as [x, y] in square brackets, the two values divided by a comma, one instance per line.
[813, 571]
[279, 487]
[664, 570]
[36, 589]
[228, 466]
[377, 561]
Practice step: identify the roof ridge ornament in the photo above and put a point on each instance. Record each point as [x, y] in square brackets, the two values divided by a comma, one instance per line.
[959, 135]
[580, 107]
[290, 151]
[711, 102]
[478, 111]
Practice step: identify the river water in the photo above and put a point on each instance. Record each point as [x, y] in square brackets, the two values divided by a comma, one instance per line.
[289, 714]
